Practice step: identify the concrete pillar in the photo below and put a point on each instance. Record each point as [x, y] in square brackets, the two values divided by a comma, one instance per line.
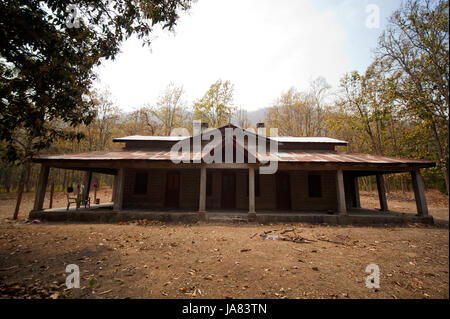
[419, 193]
[382, 193]
[87, 184]
[119, 185]
[342, 209]
[251, 193]
[41, 186]
[357, 197]
[202, 199]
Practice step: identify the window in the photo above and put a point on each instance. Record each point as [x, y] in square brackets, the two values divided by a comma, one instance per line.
[314, 185]
[140, 186]
[256, 184]
[209, 184]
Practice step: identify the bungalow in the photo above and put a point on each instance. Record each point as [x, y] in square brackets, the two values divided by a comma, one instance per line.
[214, 171]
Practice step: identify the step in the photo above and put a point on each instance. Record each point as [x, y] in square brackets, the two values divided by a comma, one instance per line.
[227, 219]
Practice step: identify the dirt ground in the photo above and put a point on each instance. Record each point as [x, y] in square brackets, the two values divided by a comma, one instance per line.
[223, 261]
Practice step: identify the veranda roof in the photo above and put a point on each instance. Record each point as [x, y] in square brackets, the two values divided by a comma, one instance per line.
[317, 157]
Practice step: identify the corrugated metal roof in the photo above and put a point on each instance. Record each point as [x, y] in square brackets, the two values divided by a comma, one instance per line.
[282, 139]
[114, 155]
[295, 139]
[149, 138]
[335, 157]
[288, 157]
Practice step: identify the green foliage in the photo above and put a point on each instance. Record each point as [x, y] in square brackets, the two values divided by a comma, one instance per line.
[92, 282]
[400, 105]
[46, 66]
[216, 106]
[372, 109]
[170, 110]
[300, 113]
[415, 46]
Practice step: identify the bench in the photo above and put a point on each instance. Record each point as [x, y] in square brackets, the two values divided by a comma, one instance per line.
[78, 201]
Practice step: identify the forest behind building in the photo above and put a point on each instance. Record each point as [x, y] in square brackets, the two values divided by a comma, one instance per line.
[398, 107]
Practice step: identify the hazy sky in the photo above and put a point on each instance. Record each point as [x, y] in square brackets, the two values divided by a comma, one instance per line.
[263, 47]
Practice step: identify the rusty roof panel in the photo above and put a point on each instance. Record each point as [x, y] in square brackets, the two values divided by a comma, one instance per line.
[335, 157]
[306, 139]
[149, 138]
[288, 157]
[112, 155]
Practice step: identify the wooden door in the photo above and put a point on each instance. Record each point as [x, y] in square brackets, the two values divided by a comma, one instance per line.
[228, 190]
[172, 190]
[283, 191]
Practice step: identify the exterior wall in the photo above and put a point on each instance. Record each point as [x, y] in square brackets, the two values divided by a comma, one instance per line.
[288, 146]
[267, 199]
[214, 200]
[156, 188]
[306, 147]
[241, 189]
[156, 145]
[190, 188]
[300, 199]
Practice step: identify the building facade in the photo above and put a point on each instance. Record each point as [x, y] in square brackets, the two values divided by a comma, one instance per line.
[310, 176]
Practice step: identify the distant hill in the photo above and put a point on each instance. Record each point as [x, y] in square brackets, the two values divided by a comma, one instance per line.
[257, 115]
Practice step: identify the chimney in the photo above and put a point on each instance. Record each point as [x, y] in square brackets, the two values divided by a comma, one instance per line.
[199, 127]
[261, 129]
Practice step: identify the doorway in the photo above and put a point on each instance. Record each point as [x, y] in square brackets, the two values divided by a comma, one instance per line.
[172, 190]
[228, 190]
[283, 191]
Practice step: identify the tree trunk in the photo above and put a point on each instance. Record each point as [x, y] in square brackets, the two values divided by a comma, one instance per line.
[446, 179]
[27, 180]
[23, 174]
[440, 153]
